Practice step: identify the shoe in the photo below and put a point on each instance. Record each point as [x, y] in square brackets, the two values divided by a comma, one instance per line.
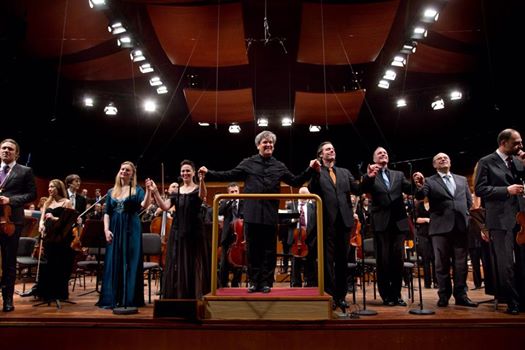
[442, 302]
[399, 302]
[343, 304]
[512, 309]
[252, 288]
[465, 301]
[266, 289]
[29, 292]
[8, 305]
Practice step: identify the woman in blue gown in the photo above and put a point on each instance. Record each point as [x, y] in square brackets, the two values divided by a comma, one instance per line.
[121, 286]
[187, 268]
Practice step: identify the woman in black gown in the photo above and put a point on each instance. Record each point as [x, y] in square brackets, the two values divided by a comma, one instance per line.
[187, 271]
[55, 227]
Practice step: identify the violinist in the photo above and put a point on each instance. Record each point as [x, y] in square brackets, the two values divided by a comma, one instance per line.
[77, 200]
[499, 183]
[449, 203]
[231, 210]
[335, 185]
[17, 188]
[307, 219]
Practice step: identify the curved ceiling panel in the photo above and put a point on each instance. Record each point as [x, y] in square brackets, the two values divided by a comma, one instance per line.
[341, 108]
[461, 20]
[431, 60]
[113, 67]
[230, 106]
[84, 27]
[353, 33]
[188, 35]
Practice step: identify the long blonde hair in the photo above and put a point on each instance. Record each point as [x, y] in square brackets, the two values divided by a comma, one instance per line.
[117, 188]
[61, 192]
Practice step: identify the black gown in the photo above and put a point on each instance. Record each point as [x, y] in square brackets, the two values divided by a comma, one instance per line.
[53, 280]
[187, 272]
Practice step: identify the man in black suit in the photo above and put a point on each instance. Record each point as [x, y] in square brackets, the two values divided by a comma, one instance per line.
[73, 185]
[17, 187]
[450, 200]
[308, 263]
[334, 185]
[389, 222]
[499, 182]
[230, 210]
[262, 173]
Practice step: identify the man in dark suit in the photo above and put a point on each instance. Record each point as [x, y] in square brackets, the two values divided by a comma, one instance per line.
[307, 263]
[73, 185]
[17, 186]
[499, 182]
[262, 173]
[389, 222]
[230, 210]
[334, 185]
[450, 200]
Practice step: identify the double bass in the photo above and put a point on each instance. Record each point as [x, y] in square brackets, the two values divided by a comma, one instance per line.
[237, 251]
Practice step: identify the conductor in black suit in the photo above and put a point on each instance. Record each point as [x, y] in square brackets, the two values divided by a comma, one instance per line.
[230, 210]
[335, 185]
[499, 182]
[17, 187]
[262, 173]
[450, 200]
[389, 222]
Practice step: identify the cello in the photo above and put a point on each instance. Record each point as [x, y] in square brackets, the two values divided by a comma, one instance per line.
[237, 251]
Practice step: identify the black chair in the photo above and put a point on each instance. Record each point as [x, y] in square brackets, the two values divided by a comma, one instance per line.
[91, 266]
[25, 261]
[370, 261]
[152, 247]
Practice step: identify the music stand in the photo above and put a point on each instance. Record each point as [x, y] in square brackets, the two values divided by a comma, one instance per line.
[92, 236]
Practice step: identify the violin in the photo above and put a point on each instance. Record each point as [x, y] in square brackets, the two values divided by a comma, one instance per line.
[237, 251]
[355, 236]
[520, 236]
[6, 225]
[299, 247]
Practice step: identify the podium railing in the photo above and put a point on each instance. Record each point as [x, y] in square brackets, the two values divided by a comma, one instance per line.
[215, 230]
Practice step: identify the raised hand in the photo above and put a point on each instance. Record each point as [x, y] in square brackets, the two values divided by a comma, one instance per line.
[373, 170]
[419, 179]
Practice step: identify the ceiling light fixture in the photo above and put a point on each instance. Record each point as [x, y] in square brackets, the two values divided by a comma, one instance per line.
[110, 109]
[150, 106]
[456, 95]
[401, 102]
[155, 81]
[409, 48]
[430, 15]
[125, 42]
[116, 28]
[98, 4]
[89, 102]
[204, 124]
[162, 90]
[145, 68]
[383, 84]
[286, 121]
[314, 128]
[262, 122]
[390, 75]
[234, 128]
[438, 103]
[137, 55]
[399, 61]
[419, 33]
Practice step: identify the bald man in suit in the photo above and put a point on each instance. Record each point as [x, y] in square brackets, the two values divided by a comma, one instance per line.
[450, 200]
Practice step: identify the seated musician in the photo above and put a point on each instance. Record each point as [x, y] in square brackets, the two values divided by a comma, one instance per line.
[54, 275]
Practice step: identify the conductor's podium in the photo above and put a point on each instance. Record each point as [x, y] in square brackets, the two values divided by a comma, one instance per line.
[280, 304]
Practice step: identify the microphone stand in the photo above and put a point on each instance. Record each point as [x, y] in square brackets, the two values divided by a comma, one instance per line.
[126, 310]
[421, 310]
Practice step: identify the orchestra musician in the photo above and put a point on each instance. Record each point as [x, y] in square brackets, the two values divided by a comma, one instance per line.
[262, 173]
[306, 264]
[230, 210]
[499, 183]
[389, 222]
[449, 199]
[73, 185]
[335, 185]
[17, 188]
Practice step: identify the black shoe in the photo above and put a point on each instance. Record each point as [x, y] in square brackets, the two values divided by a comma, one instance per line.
[465, 301]
[399, 302]
[8, 305]
[389, 302]
[30, 292]
[252, 288]
[266, 289]
[512, 309]
[343, 304]
[442, 302]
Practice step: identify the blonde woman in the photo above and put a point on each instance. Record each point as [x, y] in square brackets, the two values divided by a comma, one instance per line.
[123, 272]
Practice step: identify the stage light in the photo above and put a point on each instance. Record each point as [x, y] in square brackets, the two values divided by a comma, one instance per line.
[125, 41]
[150, 106]
[204, 124]
[314, 128]
[155, 81]
[262, 122]
[286, 121]
[430, 15]
[401, 102]
[399, 61]
[162, 90]
[409, 48]
[383, 84]
[438, 103]
[89, 102]
[145, 68]
[116, 28]
[110, 109]
[137, 55]
[98, 4]
[234, 128]
[456, 95]
[390, 75]
[419, 33]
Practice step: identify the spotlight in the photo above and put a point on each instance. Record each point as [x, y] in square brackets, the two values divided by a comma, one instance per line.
[162, 90]
[390, 75]
[430, 15]
[399, 61]
[145, 68]
[455, 95]
[234, 128]
[409, 48]
[383, 84]
[98, 4]
[89, 102]
[110, 109]
[137, 55]
[150, 106]
[419, 33]
[125, 42]
[286, 121]
[116, 28]
[155, 81]
[438, 103]
[204, 124]
[314, 128]
[262, 122]
[401, 102]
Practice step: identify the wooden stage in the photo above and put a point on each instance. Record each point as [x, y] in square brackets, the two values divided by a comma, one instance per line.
[84, 326]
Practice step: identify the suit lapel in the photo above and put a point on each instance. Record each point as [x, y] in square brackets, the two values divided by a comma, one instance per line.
[12, 173]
